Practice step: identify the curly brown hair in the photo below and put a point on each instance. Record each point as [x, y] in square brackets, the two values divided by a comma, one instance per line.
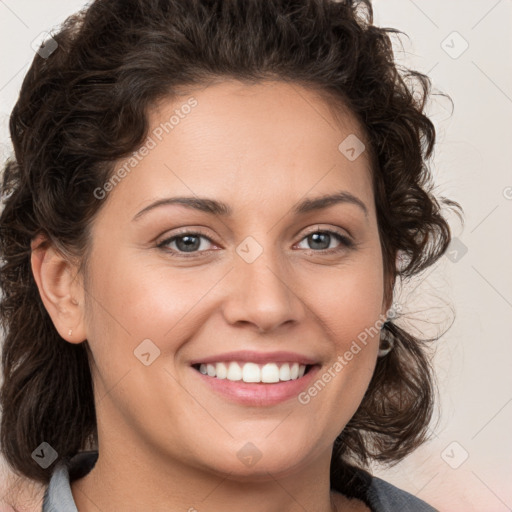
[85, 106]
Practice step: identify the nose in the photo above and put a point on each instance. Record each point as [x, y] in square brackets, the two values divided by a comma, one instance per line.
[261, 293]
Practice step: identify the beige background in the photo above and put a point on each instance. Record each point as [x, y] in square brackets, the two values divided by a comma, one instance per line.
[467, 466]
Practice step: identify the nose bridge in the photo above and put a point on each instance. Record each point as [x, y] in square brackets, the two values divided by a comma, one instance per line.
[262, 296]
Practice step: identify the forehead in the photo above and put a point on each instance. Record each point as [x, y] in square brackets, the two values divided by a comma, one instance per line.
[250, 142]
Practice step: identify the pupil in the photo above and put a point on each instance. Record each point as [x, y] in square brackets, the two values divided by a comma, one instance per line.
[315, 236]
[188, 247]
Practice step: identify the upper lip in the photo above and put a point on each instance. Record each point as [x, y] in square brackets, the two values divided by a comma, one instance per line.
[256, 357]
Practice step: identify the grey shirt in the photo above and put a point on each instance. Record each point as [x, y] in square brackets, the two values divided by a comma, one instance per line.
[379, 495]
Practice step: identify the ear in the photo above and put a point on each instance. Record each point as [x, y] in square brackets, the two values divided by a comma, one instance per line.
[61, 291]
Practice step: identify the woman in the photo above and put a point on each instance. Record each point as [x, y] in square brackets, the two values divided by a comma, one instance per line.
[206, 214]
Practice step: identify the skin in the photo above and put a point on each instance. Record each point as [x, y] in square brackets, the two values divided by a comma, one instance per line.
[166, 440]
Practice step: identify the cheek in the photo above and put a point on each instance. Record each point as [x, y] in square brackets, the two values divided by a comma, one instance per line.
[152, 300]
[348, 304]
[350, 312]
[349, 300]
[134, 301]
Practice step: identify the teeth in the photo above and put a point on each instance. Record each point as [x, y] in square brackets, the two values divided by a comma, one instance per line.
[284, 372]
[253, 372]
[221, 371]
[234, 371]
[270, 373]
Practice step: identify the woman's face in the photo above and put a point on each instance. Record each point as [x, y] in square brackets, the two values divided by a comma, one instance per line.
[249, 269]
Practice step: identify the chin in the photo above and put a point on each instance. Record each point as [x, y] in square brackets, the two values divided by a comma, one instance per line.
[260, 459]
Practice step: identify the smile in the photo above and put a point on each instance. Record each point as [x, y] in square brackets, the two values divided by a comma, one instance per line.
[253, 372]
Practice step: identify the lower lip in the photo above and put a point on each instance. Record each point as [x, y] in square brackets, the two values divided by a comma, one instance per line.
[259, 394]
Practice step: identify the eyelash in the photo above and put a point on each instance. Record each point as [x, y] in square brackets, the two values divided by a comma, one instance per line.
[346, 243]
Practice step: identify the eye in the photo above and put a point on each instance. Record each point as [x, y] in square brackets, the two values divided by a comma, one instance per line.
[320, 241]
[186, 242]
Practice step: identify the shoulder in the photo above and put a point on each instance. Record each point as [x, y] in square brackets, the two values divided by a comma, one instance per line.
[384, 497]
[377, 494]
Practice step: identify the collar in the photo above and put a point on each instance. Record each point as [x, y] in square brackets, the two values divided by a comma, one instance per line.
[378, 494]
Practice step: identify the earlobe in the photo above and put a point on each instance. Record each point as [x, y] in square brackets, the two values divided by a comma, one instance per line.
[60, 292]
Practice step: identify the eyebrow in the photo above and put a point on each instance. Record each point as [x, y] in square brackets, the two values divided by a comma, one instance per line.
[219, 208]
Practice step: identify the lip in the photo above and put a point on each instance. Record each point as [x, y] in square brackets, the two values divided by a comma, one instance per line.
[253, 356]
[258, 394]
